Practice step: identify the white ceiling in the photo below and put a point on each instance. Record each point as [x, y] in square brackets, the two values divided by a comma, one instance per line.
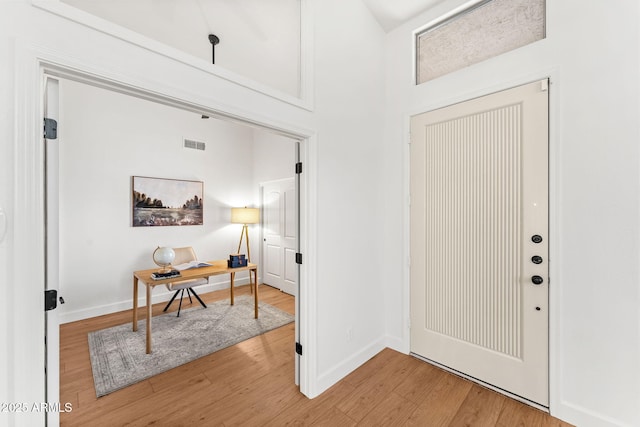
[391, 13]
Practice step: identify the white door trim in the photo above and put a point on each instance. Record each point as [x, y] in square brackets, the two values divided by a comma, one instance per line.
[25, 379]
[26, 243]
[555, 295]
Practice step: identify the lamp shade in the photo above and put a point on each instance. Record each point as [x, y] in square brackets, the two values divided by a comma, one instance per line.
[245, 215]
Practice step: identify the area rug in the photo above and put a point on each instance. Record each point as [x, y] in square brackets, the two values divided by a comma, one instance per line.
[118, 357]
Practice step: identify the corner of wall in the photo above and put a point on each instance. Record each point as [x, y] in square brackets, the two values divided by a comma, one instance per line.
[339, 371]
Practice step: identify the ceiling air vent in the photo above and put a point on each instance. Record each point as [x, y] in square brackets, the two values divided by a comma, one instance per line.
[195, 145]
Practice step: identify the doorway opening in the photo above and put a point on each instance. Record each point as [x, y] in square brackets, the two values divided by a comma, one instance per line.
[129, 140]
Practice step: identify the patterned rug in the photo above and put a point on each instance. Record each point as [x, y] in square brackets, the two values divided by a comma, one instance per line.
[118, 357]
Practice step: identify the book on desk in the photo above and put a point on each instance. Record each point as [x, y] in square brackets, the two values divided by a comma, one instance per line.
[166, 275]
[191, 264]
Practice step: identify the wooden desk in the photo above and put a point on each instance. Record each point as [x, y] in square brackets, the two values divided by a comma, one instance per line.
[217, 268]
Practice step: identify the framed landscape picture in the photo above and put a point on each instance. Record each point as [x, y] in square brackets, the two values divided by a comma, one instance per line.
[166, 202]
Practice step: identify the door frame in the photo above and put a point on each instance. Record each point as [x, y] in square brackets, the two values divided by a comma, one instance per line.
[419, 107]
[51, 102]
[27, 242]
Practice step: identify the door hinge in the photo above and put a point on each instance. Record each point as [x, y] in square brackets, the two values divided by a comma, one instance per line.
[50, 299]
[50, 129]
[298, 258]
[299, 348]
[544, 85]
[299, 168]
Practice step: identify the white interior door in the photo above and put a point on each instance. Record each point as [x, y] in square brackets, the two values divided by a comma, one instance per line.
[479, 239]
[52, 251]
[280, 235]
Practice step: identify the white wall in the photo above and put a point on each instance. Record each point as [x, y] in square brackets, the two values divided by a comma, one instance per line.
[106, 138]
[7, 191]
[258, 39]
[592, 56]
[274, 157]
[349, 71]
[345, 153]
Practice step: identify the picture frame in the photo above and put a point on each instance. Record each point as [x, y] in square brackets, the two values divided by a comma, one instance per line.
[159, 202]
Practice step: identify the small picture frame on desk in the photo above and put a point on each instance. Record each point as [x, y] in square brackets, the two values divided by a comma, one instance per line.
[237, 260]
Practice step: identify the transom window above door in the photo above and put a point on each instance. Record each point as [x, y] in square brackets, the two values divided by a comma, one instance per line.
[484, 29]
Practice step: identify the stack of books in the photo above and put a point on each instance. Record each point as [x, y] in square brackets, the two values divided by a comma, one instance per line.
[237, 260]
[168, 275]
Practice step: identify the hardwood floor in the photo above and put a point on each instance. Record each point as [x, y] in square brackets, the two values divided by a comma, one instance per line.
[252, 384]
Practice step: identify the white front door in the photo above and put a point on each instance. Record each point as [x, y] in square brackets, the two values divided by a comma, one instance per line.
[479, 239]
[280, 235]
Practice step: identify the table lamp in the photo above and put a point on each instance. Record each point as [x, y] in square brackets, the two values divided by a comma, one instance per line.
[245, 216]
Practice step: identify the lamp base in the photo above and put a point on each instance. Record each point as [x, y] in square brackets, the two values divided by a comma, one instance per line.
[245, 234]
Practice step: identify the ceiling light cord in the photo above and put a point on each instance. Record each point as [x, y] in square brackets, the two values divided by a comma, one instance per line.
[214, 40]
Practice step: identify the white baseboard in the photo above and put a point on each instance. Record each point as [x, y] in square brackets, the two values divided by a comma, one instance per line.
[331, 377]
[159, 295]
[397, 344]
[583, 417]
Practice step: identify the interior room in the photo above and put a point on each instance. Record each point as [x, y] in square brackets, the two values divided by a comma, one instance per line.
[141, 138]
[343, 80]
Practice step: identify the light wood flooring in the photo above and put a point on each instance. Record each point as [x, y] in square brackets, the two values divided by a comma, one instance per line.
[252, 384]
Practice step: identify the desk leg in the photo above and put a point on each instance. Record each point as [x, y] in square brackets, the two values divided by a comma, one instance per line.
[135, 303]
[149, 319]
[255, 294]
[233, 276]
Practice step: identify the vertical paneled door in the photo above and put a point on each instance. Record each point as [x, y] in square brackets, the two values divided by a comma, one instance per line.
[479, 239]
[280, 235]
